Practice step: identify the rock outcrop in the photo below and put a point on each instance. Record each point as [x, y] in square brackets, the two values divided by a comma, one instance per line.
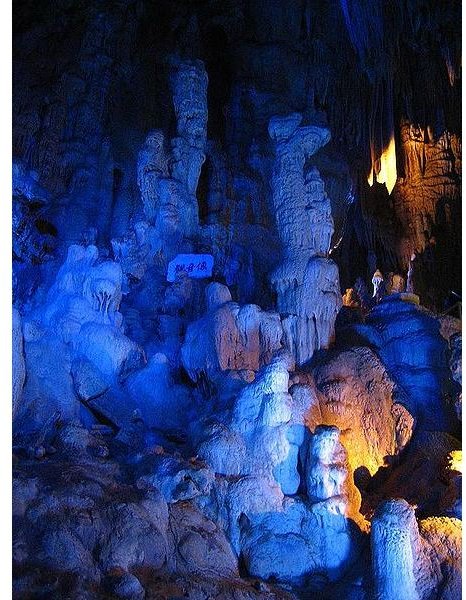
[79, 330]
[95, 533]
[455, 364]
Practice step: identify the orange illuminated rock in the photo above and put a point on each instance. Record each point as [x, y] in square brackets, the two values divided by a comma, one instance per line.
[355, 393]
[351, 390]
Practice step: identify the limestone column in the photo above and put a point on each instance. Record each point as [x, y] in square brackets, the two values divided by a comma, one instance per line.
[306, 281]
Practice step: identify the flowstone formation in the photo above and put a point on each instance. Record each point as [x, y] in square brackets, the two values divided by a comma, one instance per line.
[79, 330]
[229, 336]
[408, 340]
[257, 437]
[199, 410]
[306, 281]
[312, 538]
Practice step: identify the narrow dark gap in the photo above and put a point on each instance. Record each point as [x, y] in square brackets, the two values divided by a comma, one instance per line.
[219, 70]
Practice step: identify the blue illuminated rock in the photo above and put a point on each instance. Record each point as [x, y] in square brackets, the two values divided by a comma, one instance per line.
[189, 190]
[408, 341]
[408, 559]
[308, 536]
[306, 281]
[394, 541]
[18, 366]
[75, 338]
[257, 438]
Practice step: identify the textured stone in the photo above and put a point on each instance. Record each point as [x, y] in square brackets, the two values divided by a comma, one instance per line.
[18, 364]
[394, 537]
[425, 460]
[178, 480]
[326, 468]
[352, 390]
[301, 541]
[159, 129]
[152, 391]
[306, 282]
[257, 438]
[127, 586]
[202, 548]
[407, 339]
[230, 336]
[89, 382]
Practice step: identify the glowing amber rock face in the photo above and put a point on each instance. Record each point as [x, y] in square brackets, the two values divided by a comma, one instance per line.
[456, 460]
[385, 167]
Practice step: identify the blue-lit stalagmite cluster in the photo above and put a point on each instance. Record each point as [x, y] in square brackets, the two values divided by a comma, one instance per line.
[233, 373]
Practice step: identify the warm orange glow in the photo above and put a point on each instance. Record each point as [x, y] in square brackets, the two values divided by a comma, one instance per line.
[455, 460]
[387, 171]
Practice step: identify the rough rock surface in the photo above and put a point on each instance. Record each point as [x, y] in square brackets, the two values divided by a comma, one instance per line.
[410, 559]
[306, 282]
[351, 390]
[394, 537]
[18, 364]
[456, 369]
[79, 329]
[256, 438]
[356, 394]
[301, 542]
[98, 535]
[407, 339]
[230, 336]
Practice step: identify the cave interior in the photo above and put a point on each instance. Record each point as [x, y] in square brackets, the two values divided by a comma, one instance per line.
[236, 276]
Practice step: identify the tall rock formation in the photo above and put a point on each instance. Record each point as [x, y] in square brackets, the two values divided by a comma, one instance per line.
[169, 170]
[306, 281]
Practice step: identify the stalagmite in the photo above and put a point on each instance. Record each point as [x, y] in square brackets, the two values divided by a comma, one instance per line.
[326, 468]
[168, 170]
[306, 281]
[394, 543]
[189, 85]
[151, 166]
[230, 336]
[378, 283]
